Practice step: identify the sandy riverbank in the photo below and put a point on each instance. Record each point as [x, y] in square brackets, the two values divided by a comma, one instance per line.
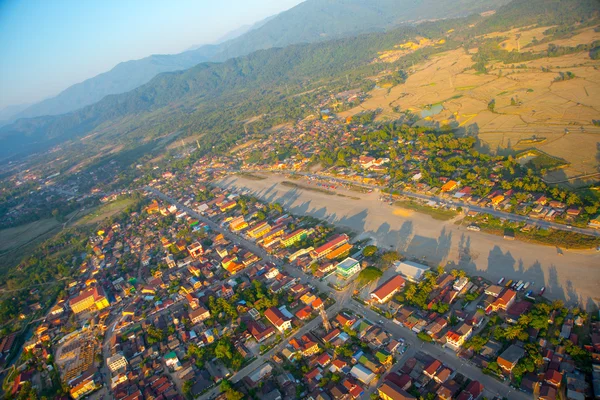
[573, 277]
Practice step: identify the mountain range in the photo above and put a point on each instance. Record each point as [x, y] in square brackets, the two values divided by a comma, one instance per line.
[212, 97]
[310, 21]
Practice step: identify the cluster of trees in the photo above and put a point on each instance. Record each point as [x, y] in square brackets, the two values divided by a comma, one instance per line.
[230, 393]
[220, 305]
[369, 274]
[418, 294]
[259, 297]
[564, 76]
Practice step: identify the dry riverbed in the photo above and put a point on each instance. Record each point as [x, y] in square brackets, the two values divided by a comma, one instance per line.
[573, 276]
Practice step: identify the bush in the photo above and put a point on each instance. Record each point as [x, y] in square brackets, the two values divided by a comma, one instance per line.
[369, 251]
[424, 336]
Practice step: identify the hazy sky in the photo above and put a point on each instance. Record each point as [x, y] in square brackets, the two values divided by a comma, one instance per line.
[48, 45]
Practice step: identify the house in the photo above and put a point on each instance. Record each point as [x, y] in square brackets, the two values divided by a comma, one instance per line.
[449, 186]
[328, 247]
[460, 283]
[338, 365]
[503, 302]
[443, 375]
[473, 391]
[259, 332]
[116, 362]
[457, 337]
[553, 378]
[509, 358]
[198, 315]
[401, 380]
[432, 368]
[93, 298]
[305, 345]
[494, 290]
[388, 289]
[362, 373]
[195, 249]
[390, 391]
[226, 291]
[280, 321]
[547, 392]
[294, 237]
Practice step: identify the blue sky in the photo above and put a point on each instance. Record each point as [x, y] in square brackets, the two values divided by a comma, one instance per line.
[48, 45]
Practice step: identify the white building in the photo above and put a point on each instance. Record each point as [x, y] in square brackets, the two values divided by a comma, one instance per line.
[460, 283]
[116, 362]
[411, 270]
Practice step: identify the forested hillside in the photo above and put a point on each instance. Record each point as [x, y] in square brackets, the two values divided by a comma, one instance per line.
[211, 97]
[310, 21]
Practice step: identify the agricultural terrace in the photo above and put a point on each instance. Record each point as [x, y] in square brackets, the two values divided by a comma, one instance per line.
[508, 97]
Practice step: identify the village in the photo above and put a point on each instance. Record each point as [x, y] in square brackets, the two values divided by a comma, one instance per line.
[331, 152]
[207, 293]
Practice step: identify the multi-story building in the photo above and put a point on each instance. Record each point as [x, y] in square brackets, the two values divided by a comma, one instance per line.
[195, 249]
[294, 237]
[88, 299]
[347, 268]
[328, 247]
[280, 321]
[116, 362]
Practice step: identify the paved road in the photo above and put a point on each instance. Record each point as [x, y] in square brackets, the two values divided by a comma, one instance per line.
[457, 203]
[447, 356]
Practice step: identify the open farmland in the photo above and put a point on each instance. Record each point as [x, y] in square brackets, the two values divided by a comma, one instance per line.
[529, 101]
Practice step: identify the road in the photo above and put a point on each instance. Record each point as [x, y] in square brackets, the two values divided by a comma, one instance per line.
[447, 356]
[457, 203]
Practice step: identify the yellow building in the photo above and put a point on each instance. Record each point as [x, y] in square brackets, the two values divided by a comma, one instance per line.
[449, 186]
[83, 388]
[497, 199]
[91, 298]
[259, 230]
[294, 237]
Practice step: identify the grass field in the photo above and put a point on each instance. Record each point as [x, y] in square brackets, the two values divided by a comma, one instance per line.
[249, 175]
[12, 238]
[549, 237]
[104, 211]
[435, 213]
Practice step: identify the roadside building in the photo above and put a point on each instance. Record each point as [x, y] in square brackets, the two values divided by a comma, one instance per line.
[276, 317]
[388, 289]
[509, 358]
[88, 299]
[116, 362]
[347, 268]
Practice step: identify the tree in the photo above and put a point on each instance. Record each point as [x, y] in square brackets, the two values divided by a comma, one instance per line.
[369, 251]
[390, 256]
[424, 336]
[187, 389]
[369, 274]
